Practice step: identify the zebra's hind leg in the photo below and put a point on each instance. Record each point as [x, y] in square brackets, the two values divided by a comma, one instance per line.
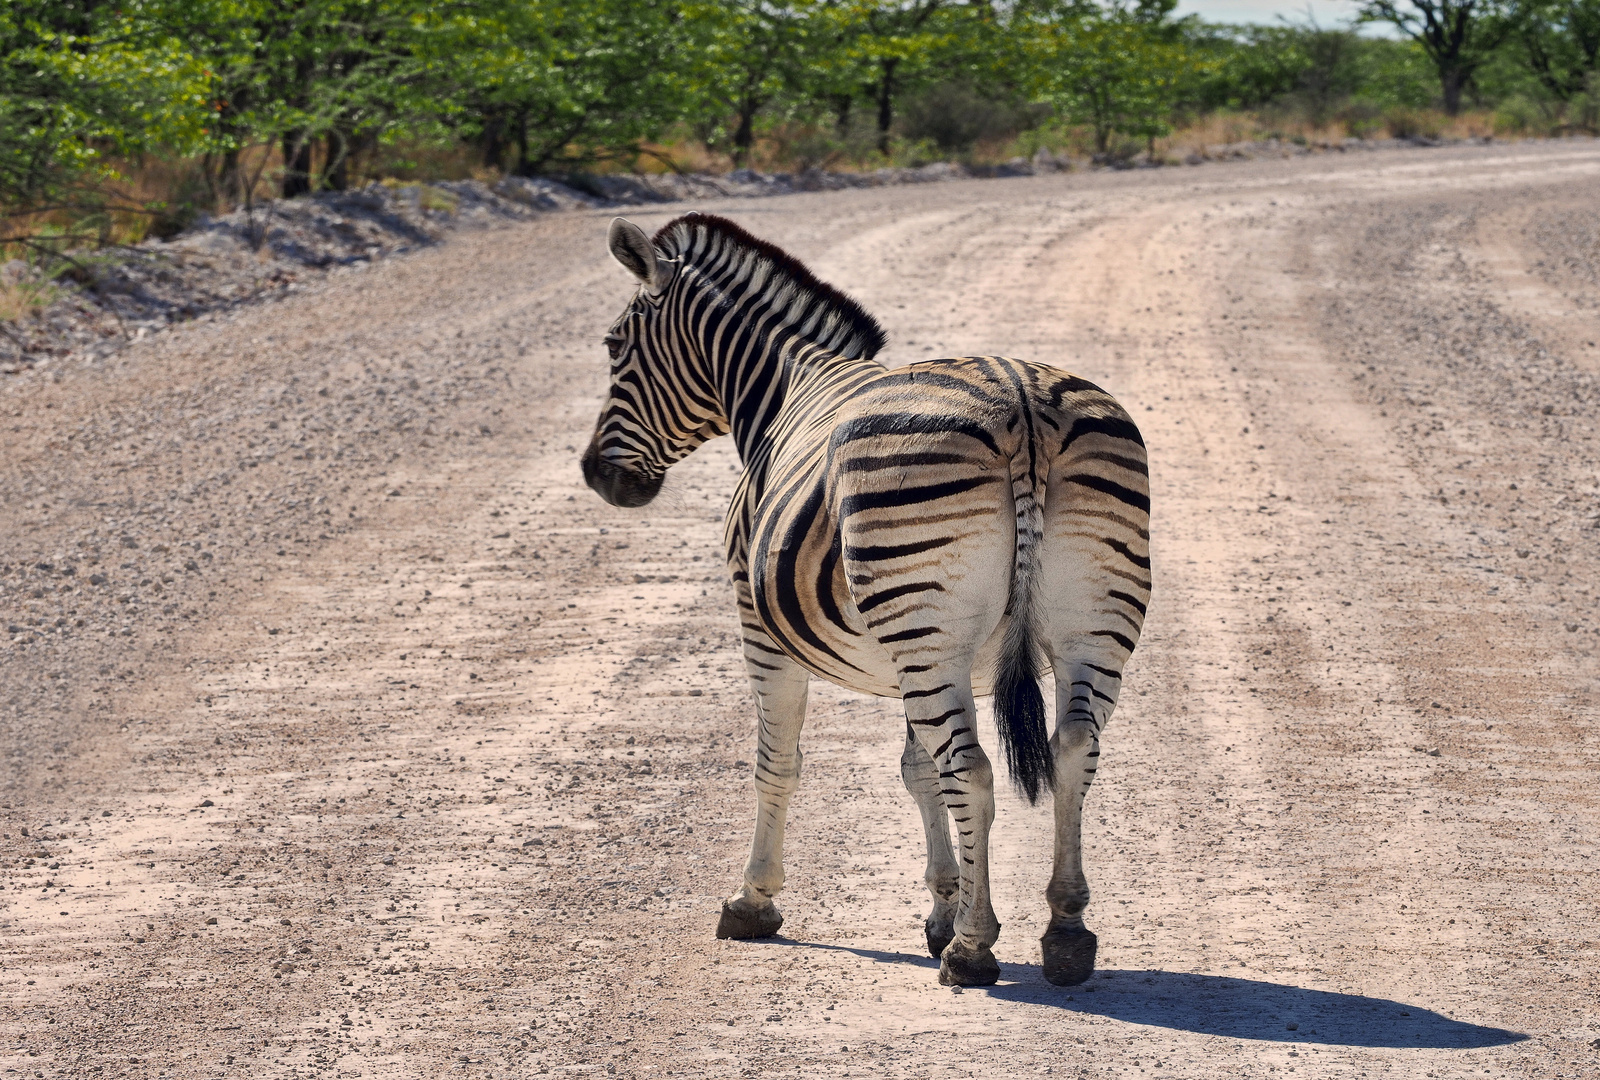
[943, 875]
[779, 685]
[940, 712]
[1083, 703]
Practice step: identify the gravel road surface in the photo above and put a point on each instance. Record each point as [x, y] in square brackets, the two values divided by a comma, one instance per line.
[346, 734]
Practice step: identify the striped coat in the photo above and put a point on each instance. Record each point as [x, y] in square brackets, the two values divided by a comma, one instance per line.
[933, 532]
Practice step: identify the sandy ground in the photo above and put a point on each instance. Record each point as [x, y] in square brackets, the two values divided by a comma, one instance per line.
[346, 734]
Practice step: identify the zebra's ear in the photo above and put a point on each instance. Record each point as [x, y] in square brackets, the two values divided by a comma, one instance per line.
[633, 249]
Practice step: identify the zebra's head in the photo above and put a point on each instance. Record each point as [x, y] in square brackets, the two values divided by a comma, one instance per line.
[660, 408]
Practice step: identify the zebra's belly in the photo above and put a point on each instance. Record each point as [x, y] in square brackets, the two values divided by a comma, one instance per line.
[858, 662]
[872, 672]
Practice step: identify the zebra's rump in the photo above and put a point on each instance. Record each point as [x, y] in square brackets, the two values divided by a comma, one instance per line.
[895, 519]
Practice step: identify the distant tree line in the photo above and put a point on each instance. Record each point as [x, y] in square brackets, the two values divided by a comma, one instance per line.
[556, 86]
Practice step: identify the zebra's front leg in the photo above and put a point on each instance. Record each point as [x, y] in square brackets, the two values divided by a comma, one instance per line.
[940, 711]
[943, 874]
[779, 685]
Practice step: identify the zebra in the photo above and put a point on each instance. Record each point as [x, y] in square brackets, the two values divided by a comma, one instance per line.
[931, 532]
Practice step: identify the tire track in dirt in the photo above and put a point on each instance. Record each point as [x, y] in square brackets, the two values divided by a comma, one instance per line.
[510, 885]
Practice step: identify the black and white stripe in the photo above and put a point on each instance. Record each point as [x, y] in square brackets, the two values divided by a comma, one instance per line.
[951, 528]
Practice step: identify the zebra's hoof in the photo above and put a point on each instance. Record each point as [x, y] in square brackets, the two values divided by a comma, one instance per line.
[962, 965]
[1069, 956]
[742, 924]
[940, 935]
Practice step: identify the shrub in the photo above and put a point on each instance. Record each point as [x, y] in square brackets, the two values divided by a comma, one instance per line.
[1362, 119]
[1404, 122]
[1521, 115]
[955, 117]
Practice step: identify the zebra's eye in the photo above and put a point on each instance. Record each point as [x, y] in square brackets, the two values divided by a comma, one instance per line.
[613, 345]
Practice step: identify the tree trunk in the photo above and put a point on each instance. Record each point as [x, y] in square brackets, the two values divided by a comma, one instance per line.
[886, 104]
[222, 178]
[841, 114]
[744, 136]
[494, 141]
[337, 170]
[1451, 82]
[296, 166]
[519, 136]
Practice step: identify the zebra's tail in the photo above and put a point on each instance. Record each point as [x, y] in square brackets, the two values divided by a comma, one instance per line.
[1018, 705]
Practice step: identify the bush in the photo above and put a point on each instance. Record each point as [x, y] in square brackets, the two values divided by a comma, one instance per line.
[1362, 119]
[1521, 115]
[1120, 152]
[955, 117]
[1404, 122]
[1583, 111]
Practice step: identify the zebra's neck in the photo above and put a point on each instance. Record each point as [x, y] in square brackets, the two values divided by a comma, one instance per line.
[762, 386]
[768, 330]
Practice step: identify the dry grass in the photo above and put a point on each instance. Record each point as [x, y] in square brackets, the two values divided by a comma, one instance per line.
[1225, 129]
[158, 196]
[20, 300]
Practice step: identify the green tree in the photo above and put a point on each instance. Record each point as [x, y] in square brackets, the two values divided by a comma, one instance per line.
[558, 84]
[1459, 36]
[288, 73]
[748, 52]
[1561, 45]
[73, 92]
[1117, 71]
[1248, 66]
[897, 45]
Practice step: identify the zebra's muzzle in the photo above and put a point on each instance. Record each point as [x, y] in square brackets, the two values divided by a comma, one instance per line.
[616, 484]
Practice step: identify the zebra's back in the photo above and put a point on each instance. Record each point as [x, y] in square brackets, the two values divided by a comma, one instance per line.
[955, 476]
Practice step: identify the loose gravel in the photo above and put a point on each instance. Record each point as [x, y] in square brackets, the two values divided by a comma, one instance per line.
[438, 765]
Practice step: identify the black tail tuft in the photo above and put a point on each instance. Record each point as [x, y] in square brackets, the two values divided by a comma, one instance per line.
[1019, 713]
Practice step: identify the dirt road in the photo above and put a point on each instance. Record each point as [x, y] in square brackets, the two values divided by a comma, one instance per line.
[347, 734]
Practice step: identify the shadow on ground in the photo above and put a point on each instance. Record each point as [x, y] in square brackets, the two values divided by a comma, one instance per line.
[1221, 1005]
[1249, 1009]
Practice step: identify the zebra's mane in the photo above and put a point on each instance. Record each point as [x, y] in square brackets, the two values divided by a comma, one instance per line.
[727, 253]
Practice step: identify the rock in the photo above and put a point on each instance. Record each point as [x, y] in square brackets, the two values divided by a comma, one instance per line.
[542, 194]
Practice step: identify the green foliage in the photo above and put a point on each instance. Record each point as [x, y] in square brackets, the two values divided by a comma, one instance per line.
[743, 54]
[1319, 72]
[889, 48]
[73, 91]
[297, 95]
[1560, 45]
[956, 115]
[1251, 66]
[558, 84]
[1120, 71]
[1458, 36]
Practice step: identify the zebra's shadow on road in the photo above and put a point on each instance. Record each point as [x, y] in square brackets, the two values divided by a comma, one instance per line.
[1254, 1009]
[1222, 1005]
